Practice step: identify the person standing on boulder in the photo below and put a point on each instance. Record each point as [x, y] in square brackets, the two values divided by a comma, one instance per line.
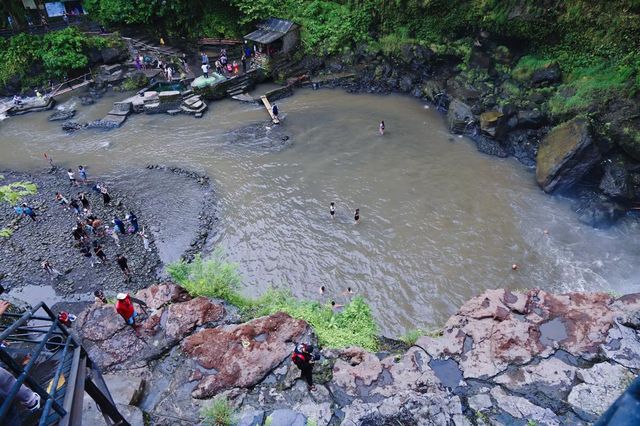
[122, 263]
[125, 308]
[205, 70]
[302, 357]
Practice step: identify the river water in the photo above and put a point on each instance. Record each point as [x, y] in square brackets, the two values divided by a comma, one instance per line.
[440, 222]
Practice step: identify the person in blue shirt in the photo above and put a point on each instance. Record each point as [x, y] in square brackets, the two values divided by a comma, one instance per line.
[119, 225]
[28, 211]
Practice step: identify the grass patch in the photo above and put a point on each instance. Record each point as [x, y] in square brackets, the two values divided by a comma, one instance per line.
[219, 413]
[412, 336]
[218, 278]
[527, 65]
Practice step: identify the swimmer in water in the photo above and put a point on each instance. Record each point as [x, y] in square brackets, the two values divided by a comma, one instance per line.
[381, 128]
[348, 292]
[321, 289]
[332, 210]
[356, 216]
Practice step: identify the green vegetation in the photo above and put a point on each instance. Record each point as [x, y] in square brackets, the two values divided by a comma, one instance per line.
[215, 277]
[36, 59]
[219, 413]
[12, 194]
[412, 336]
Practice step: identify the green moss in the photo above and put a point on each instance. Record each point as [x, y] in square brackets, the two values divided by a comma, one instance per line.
[527, 65]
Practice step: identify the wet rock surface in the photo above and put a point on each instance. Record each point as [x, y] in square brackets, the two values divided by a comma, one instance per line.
[504, 358]
[260, 137]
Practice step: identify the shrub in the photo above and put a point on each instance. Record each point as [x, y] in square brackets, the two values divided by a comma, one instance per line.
[215, 277]
[412, 336]
[219, 413]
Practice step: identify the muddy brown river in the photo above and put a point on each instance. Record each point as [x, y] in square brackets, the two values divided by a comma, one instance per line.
[440, 222]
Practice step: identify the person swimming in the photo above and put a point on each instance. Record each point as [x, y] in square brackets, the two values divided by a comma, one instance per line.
[321, 289]
[381, 128]
[356, 216]
[332, 210]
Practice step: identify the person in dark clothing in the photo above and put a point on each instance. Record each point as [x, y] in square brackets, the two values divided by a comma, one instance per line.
[133, 219]
[97, 249]
[106, 198]
[274, 110]
[119, 225]
[244, 63]
[28, 211]
[86, 252]
[75, 206]
[85, 201]
[302, 357]
[332, 210]
[356, 216]
[122, 263]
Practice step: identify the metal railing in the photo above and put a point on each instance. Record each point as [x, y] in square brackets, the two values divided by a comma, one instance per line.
[55, 366]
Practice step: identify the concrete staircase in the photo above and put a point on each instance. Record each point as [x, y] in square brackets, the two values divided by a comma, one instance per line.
[241, 84]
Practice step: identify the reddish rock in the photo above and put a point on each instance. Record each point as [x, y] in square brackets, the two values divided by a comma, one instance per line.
[159, 295]
[184, 317]
[242, 355]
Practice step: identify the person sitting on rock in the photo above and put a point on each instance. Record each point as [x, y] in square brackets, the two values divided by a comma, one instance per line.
[124, 306]
[302, 357]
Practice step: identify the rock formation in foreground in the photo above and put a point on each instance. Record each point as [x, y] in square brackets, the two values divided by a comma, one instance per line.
[504, 358]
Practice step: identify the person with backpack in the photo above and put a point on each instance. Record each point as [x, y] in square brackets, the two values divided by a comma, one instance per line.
[303, 358]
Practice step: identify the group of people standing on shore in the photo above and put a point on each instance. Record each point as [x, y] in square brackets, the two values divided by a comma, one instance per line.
[89, 230]
[223, 65]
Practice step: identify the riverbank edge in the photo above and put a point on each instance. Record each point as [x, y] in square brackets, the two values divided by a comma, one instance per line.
[506, 357]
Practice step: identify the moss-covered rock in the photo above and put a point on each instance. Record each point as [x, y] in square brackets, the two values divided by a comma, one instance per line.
[565, 155]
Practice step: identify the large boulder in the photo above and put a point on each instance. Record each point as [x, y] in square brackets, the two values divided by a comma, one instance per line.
[565, 155]
[242, 355]
[616, 181]
[160, 295]
[182, 318]
[458, 116]
[546, 75]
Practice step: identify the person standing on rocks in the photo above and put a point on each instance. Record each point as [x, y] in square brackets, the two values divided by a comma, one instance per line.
[302, 357]
[100, 297]
[28, 211]
[114, 234]
[122, 263]
[133, 220]
[205, 70]
[72, 178]
[49, 269]
[119, 225]
[85, 202]
[76, 207]
[106, 198]
[145, 239]
[124, 306]
[97, 249]
[82, 172]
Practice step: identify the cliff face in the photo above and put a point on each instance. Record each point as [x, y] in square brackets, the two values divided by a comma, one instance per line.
[504, 358]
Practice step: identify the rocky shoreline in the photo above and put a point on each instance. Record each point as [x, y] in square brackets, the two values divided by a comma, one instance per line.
[50, 238]
[505, 358]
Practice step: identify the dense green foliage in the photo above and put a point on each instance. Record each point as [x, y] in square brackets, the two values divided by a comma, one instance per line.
[215, 277]
[219, 413]
[39, 58]
[12, 194]
[596, 43]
